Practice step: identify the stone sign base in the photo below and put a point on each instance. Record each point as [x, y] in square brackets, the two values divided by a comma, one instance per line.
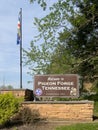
[63, 110]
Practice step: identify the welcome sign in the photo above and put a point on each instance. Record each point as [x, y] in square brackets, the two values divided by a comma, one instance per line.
[56, 85]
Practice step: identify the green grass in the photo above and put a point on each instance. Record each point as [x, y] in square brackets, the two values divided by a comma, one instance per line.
[81, 126]
[96, 109]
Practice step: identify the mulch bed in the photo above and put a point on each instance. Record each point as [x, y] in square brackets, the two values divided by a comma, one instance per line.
[34, 126]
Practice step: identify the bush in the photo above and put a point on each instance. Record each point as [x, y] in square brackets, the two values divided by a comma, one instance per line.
[67, 99]
[95, 86]
[93, 97]
[27, 116]
[9, 105]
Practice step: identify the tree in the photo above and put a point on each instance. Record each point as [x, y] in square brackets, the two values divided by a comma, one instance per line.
[49, 28]
[83, 42]
[6, 87]
[72, 25]
[61, 61]
[42, 3]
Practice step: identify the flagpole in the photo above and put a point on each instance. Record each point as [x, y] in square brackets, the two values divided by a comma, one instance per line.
[21, 50]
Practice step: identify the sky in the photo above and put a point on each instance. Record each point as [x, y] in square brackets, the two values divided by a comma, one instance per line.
[9, 50]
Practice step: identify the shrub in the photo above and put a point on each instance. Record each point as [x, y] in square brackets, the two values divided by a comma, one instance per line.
[28, 117]
[95, 86]
[93, 97]
[9, 105]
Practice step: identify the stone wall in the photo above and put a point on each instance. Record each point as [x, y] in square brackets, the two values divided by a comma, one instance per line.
[27, 94]
[15, 92]
[66, 110]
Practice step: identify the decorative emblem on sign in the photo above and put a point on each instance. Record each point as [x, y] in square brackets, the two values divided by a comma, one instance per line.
[73, 91]
[38, 92]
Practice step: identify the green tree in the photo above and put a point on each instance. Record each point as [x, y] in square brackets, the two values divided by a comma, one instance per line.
[49, 28]
[6, 87]
[73, 25]
[61, 61]
[83, 40]
[42, 3]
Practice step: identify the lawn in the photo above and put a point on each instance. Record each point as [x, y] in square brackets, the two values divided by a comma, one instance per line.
[96, 109]
[81, 126]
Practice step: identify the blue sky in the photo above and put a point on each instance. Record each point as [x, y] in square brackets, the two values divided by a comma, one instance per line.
[9, 50]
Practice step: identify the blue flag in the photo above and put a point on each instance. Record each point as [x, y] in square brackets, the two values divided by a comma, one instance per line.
[19, 29]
